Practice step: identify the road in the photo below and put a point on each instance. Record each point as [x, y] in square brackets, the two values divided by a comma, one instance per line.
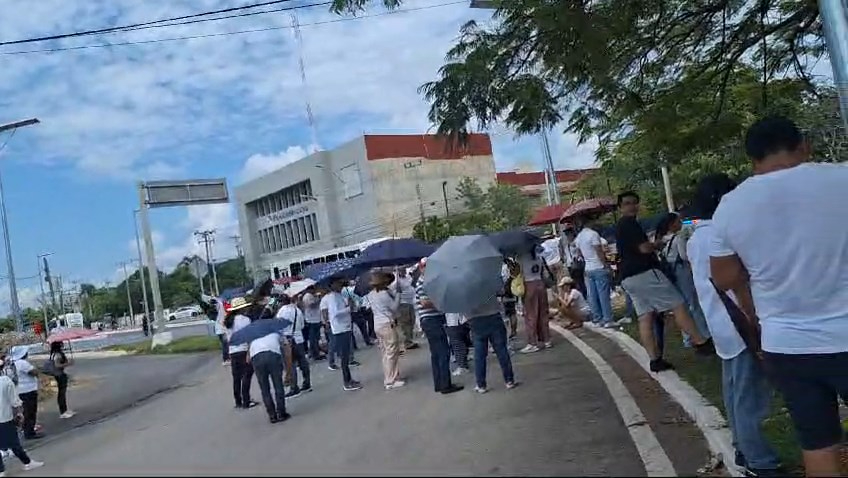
[562, 420]
[108, 339]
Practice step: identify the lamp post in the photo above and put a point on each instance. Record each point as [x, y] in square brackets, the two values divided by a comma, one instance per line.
[141, 272]
[834, 15]
[13, 287]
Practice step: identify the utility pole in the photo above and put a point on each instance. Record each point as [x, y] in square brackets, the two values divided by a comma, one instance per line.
[207, 238]
[123, 264]
[141, 272]
[240, 254]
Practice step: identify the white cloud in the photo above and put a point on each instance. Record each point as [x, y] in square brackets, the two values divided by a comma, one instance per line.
[260, 164]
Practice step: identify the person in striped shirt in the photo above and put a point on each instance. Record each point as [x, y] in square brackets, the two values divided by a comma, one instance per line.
[433, 323]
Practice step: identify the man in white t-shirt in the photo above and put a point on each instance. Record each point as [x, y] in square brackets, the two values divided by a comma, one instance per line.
[294, 335]
[597, 273]
[745, 387]
[312, 317]
[27, 389]
[781, 245]
[335, 310]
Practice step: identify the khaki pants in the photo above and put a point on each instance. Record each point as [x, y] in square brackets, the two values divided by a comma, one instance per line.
[287, 363]
[390, 345]
[406, 323]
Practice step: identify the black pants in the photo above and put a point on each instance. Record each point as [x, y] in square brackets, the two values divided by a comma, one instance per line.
[242, 373]
[578, 274]
[460, 337]
[62, 393]
[9, 441]
[434, 329]
[361, 321]
[299, 361]
[30, 408]
[369, 321]
[269, 370]
[342, 343]
[224, 347]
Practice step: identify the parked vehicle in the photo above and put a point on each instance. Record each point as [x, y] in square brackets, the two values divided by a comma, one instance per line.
[186, 312]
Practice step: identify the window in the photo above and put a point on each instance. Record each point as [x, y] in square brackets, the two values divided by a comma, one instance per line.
[352, 181]
[268, 240]
[296, 232]
[301, 226]
[295, 269]
[283, 239]
[315, 227]
[310, 231]
[290, 234]
[278, 240]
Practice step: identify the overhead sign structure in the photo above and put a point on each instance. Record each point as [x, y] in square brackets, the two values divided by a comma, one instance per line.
[186, 193]
[167, 194]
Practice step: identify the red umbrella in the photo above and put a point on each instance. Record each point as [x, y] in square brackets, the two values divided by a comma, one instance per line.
[547, 215]
[589, 206]
[70, 334]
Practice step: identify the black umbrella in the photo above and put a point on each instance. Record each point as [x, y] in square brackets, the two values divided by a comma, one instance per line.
[515, 241]
[258, 329]
[394, 252]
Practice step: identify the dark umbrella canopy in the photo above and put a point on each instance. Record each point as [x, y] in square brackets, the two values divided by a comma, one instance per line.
[258, 329]
[394, 252]
[463, 274]
[515, 241]
[322, 273]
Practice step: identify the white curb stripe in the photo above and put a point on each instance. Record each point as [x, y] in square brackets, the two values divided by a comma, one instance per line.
[653, 455]
[707, 417]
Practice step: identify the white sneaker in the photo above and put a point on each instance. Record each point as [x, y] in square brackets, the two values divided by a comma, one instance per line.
[624, 321]
[481, 389]
[2, 473]
[549, 345]
[33, 465]
[529, 349]
[67, 414]
[396, 384]
[459, 371]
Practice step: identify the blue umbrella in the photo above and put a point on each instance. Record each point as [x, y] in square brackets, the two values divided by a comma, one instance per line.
[463, 274]
[258, 329]
[321, 272]
[394, 252]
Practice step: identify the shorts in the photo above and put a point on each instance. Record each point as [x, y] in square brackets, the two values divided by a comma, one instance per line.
[651, 291]
[811, 385]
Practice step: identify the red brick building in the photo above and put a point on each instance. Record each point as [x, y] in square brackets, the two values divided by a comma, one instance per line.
[532, 184]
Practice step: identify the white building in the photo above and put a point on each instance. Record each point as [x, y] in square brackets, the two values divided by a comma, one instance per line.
[372, 187]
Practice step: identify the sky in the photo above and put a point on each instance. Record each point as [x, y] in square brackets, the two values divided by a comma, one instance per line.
[220, 106]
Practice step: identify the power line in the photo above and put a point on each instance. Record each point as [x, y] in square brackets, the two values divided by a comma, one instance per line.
[238, 32]
[137, 25]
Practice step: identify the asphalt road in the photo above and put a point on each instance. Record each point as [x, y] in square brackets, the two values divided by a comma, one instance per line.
[560, 421]
[178, 330]
[100, 388]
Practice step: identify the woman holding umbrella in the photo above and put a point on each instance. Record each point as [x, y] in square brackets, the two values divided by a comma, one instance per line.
[241, 369]
[384, 305]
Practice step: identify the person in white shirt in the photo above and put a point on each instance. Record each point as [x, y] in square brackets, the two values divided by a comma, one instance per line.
[747, 394]
[781, 245]
[335, 310]
[572, 304]
[240, 367]
[294, 335]
[10, 405]
[27, 389]
[312, 317]
[266, 356]
[406, 313]
[597, 273]
[573, 260]
[384, 304]
[536, 313]
[552, 256]
[220, 330]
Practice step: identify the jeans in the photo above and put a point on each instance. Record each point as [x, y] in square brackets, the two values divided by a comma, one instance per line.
[342, 343]
[747, 398]
[224, 347]
[9, 437]
[269, 370]
[242, 373]
[29, 403]
[686, 285]
[312, 334]
[490, 329]
[300, 361]
[598, 285]
[434, 330]
[62, 393]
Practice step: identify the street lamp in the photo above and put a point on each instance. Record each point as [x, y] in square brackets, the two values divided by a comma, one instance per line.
[13, 287]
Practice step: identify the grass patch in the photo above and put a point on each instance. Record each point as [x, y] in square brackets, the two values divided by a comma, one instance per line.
[183, 345]
[704, 374]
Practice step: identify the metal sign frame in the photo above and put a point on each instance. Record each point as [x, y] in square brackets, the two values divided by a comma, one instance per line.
[189, 192]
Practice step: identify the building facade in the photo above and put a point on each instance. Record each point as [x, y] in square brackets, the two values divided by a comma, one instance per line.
[372, 187]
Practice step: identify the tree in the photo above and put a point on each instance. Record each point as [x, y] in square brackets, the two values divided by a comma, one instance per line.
[498, 208]
[600, 63]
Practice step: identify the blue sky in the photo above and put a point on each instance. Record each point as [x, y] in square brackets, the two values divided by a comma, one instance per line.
[228, 106]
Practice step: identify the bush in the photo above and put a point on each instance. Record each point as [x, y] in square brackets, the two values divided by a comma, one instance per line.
[183, 345]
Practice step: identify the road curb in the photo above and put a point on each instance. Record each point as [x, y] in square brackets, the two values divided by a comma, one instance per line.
[707, 417]
[94, 354]
[654, 457]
